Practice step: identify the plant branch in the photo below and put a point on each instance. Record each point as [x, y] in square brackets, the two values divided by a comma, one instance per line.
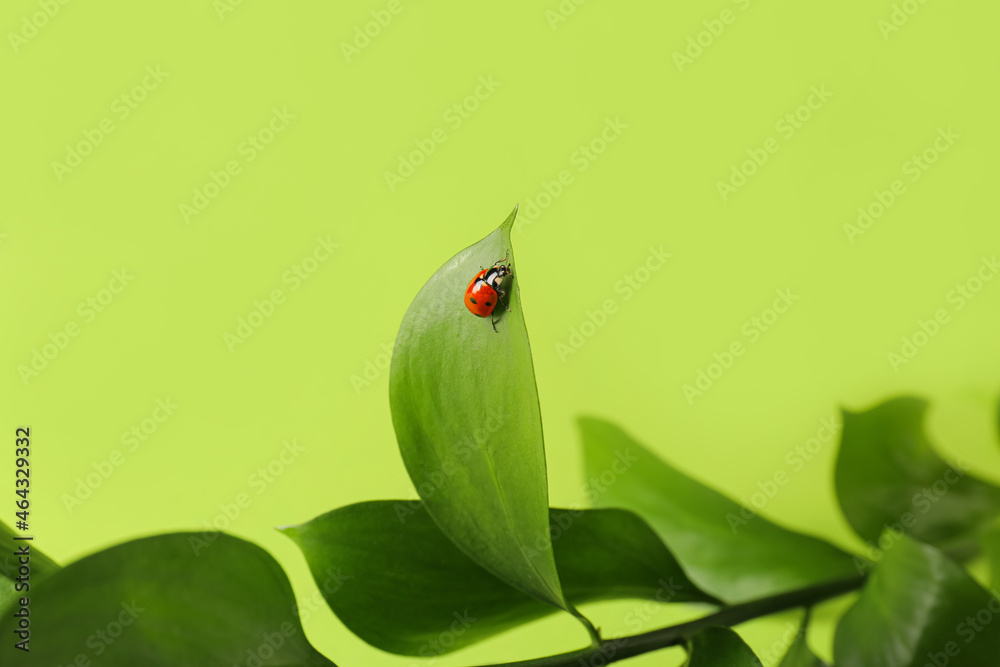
[613, 650]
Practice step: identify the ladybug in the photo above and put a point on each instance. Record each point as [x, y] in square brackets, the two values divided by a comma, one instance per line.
[485, 290]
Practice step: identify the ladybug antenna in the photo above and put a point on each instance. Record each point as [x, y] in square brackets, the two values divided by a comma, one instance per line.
[505, 258]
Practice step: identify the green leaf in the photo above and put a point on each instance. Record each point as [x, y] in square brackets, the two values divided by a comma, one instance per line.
[396, 581]
[799, 654]
[918, 608]
[40, 565]
[719, 647]
[465, 409]
[732, 557]
[991, 549]
[165, 601]
[889, 476]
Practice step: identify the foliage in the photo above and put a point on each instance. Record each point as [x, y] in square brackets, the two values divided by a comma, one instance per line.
[482, 552]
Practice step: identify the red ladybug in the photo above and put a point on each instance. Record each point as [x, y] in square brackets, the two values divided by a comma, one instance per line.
[485, 290]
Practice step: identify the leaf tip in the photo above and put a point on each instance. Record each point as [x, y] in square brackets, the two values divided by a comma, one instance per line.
[290, 530]
[509, 222]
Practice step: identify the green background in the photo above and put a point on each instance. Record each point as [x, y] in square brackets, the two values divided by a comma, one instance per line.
[298, 375]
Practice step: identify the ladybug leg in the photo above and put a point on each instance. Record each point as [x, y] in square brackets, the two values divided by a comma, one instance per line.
[494, 323]
[503, 294]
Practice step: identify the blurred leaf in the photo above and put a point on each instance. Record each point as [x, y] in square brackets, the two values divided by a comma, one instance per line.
[991, 549]
[730, 556]
[719, 647]
[889, 476]
[40, 565]
[799, 654]
[466, 414]
[397, 582]
[165, 601]
[918, 608]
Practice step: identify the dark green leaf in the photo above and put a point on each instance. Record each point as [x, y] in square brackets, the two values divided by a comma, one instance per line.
[799, 654]
[397, 582]
[165, 601]
[991, 548]
[919, 608]
[889, 476]
[725, 552]
[719, 647]
[466, 414]
[39, 565]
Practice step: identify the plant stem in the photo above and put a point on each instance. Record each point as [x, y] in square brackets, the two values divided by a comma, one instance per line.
[613, 650]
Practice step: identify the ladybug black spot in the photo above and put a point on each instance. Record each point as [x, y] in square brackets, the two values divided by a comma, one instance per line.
[488, 303]
[474, 301]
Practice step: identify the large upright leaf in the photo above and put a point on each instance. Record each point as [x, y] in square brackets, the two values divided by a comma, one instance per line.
[466, 414]
[399, 583]
[918, 608]
[165, 601]
[889, 476]
[719, 647]
[730, 556]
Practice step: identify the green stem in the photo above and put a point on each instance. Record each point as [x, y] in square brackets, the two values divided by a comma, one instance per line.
[613, 650]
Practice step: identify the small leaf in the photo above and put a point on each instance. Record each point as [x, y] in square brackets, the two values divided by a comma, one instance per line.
[719, 647]
[465, 410]
[799, 654]
[165, 601]
[730, 556]
[918, 608]
[396, 581]
[889, 476]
